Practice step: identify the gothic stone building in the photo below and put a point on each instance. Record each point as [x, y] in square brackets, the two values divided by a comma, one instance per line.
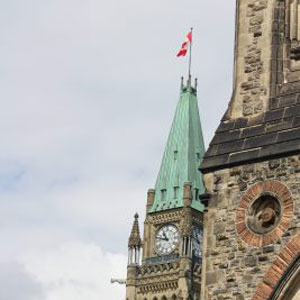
[232, 232]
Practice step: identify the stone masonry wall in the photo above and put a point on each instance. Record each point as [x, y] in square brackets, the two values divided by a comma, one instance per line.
[234, 269]
[252, 57]
[253, 89]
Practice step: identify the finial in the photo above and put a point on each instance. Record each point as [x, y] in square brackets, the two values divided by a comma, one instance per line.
[135, 239]
[187, 194]
[150, 199]
[182, 83]
[189, 82]
[196, 83]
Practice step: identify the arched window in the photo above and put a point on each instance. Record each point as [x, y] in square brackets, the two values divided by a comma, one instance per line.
[289, 286]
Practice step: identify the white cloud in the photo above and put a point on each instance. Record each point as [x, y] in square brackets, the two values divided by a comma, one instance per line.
[78, 271]
[87, 93]
[16, 283]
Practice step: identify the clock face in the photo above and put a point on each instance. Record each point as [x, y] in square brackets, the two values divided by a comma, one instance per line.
[167, 239]
[197, 241]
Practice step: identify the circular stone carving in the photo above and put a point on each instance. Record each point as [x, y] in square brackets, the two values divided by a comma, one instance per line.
[264, 213]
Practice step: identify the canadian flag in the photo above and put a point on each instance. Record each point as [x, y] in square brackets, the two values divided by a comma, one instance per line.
[185, 45]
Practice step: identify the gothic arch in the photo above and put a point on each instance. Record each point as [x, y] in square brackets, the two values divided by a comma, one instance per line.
[164, 298]
[289, 286]
[174, 297]
[279, 283]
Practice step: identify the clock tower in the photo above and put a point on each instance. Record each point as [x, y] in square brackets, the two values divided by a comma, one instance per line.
[166, 263]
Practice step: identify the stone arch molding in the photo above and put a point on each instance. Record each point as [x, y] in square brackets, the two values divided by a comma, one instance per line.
[269, 206]
[281, 282]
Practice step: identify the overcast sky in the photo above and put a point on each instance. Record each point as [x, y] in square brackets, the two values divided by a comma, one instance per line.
[88, 91]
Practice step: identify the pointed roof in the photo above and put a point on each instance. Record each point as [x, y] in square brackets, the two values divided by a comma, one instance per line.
[135, 238]
[183, 154]
[268, 135]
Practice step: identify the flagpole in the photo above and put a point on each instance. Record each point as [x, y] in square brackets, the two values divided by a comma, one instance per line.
[190, 59]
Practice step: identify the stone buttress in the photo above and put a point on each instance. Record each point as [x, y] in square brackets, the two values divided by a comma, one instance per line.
[251, 169]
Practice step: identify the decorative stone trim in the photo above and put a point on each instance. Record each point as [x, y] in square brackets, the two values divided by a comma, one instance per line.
[159, 268]
[273, 189]
[161, 218]
[285, 258]
[158, 287]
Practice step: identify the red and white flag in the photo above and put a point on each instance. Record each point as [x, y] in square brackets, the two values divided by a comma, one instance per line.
[185, 45]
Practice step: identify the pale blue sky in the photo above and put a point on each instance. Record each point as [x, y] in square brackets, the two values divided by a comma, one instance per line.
[88, 90]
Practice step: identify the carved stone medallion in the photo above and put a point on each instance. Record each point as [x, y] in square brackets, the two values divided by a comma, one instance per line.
[264, 213]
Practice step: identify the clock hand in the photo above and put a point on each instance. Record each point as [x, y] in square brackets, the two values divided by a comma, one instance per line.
[166, 238]
[162, 238]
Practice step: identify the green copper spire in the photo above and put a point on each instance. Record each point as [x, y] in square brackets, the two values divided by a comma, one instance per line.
[183, 155]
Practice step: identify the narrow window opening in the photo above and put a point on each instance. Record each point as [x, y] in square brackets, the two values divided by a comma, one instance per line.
[176, 189]
[196, 194]
[175, 155]
[198, 156]
[163, 194]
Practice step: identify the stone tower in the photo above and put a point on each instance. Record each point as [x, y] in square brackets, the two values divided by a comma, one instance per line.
[170, 265]
[251, 171]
